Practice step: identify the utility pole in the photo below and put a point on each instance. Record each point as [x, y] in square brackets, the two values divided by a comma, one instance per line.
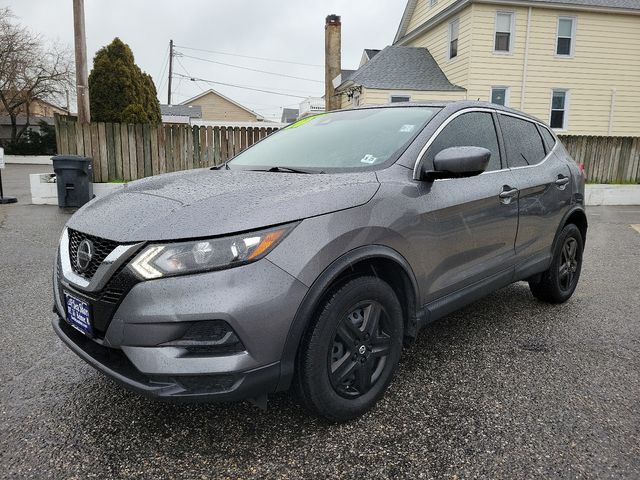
[82, 77]
[333, 60]
[170, 71]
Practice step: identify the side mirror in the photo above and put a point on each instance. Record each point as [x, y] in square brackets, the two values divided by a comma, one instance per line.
[458, 162]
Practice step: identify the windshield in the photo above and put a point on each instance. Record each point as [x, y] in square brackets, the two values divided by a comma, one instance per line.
[338, 141]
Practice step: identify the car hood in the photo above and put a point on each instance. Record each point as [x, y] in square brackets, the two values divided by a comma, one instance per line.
[207, 203]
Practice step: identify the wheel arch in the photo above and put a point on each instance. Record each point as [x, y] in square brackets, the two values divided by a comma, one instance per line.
[382, 261]
[576, 216]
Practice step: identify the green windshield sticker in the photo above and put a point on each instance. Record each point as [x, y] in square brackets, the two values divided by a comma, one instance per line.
[301, 122]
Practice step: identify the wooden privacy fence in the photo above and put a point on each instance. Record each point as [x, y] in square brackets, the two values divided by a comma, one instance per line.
[124, 152]
[606, 159]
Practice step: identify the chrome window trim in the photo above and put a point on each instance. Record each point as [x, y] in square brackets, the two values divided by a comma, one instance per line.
[107, 268]
[455, 115]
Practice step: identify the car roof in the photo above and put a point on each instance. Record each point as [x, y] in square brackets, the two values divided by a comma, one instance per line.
[453, 106]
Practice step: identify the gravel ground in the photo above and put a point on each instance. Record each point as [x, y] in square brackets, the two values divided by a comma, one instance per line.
[506, 388]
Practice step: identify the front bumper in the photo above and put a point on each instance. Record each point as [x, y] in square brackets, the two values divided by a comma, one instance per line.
[143, 344]
[220, 387]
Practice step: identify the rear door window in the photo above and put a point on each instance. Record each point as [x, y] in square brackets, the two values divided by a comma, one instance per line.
[473, 129]
[522, 141]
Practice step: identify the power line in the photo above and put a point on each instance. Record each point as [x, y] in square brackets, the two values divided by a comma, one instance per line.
[307, 93]
[252, 69]
[163, 70]
[217, 52]
[193, 79]
[190, 76]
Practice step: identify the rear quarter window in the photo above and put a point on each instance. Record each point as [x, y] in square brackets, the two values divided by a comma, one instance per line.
[549, 139]
[522, 140]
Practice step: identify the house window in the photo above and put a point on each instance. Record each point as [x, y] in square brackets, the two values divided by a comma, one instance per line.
[504, 31]
[355, 99]
[454, 28]
[566, 36]
[559, 109]
[400, 98]
[500, 95]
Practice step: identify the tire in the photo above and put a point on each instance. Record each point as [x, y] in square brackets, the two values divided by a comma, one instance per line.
[557, 284]
[345, 339]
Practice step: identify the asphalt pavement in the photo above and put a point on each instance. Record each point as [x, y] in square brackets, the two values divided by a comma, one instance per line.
[507, 388]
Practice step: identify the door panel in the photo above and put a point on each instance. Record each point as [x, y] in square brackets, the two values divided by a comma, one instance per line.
[543, 181]
[466, 226]
[466, 231]
[542, 203]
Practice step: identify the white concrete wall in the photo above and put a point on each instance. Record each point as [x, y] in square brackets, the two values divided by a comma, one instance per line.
[29, 159]
[44, 192]
[612, 195]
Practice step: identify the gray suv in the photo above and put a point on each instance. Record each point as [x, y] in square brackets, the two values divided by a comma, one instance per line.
[310, 259]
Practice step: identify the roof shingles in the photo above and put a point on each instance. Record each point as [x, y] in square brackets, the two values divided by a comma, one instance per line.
[402, 68]
[194, 111]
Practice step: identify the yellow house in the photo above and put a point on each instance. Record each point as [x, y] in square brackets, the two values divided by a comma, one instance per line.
[39, 108]
[572, 63]
[216, 107]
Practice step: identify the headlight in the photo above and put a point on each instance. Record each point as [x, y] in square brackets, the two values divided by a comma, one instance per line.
[170, 259]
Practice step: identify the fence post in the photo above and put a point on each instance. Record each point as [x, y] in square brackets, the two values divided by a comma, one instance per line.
[111, 152]
[117, 145]
[162, 156]
[124, 144]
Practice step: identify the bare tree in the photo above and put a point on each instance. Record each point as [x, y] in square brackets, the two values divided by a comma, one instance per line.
[29, 70]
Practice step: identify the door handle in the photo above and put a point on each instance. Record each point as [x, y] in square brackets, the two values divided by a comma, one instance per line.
[508, 193]
[562, 180]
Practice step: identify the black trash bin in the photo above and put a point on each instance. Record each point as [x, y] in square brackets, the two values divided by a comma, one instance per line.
[74, 176]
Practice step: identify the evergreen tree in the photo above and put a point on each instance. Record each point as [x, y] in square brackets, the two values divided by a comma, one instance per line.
[118, 90]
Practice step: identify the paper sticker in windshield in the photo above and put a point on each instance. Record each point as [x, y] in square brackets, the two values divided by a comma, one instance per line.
[368, 158]
[407, 128]
[301, 122]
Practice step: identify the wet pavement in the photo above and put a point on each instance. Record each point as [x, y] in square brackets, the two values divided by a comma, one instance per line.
[506, 388]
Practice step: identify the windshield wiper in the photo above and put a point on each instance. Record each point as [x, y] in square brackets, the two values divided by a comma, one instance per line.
[286, 170]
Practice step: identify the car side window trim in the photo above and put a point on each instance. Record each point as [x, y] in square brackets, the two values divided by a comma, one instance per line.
[541, 130]
[503, 149]
[423, 151]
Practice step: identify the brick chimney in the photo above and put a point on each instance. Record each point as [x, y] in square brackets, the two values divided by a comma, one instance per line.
[333, 60]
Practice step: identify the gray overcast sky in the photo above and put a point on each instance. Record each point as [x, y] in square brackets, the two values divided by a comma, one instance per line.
[290, 30]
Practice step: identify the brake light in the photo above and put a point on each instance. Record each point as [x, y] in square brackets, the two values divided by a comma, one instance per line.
[582, 171]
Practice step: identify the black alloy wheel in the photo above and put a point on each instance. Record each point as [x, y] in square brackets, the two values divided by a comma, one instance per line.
[351, 349]
[360, 349]
[570, 258]
[559, 281]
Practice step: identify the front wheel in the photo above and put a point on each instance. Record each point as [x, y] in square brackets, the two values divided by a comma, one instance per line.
[351, 351]
[557, 284]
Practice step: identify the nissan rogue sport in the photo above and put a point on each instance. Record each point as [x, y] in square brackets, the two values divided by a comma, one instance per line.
[312, 257]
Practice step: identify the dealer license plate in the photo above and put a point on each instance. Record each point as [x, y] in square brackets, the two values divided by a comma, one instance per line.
[78, 313]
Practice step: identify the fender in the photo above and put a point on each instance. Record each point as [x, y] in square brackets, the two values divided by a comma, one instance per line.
[575, 208]
[314, 295]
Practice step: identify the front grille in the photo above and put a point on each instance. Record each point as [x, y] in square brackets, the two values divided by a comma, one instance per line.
[112, 295]
[105, 303]
[102, 248]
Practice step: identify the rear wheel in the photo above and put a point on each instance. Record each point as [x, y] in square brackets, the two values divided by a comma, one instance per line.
[558, 283]
[352, 350]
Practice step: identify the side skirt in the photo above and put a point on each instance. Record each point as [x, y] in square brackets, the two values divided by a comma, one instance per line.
[456, 300]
